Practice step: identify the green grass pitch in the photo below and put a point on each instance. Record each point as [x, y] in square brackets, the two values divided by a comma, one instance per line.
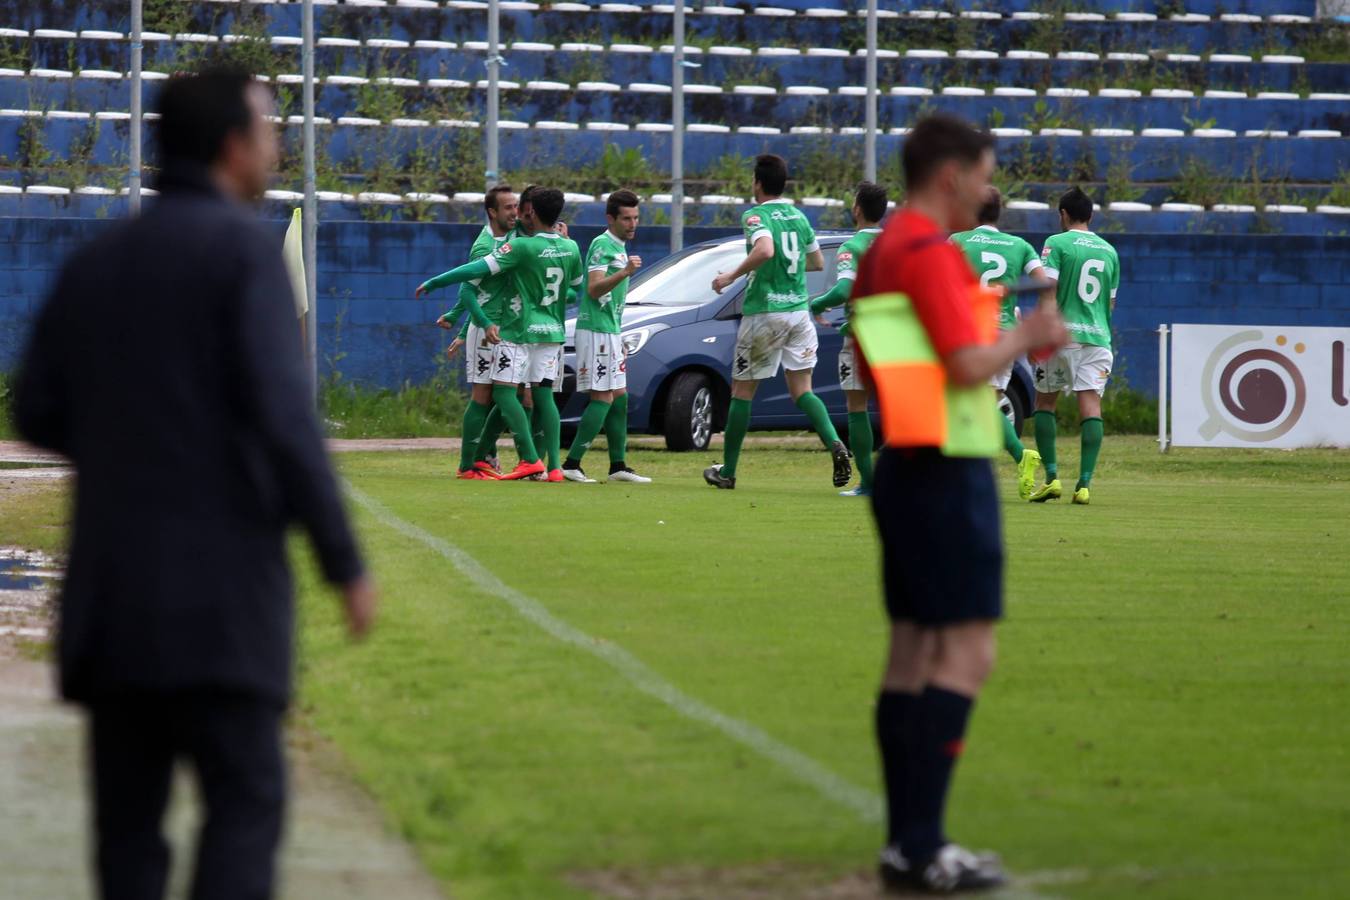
[1167, 719]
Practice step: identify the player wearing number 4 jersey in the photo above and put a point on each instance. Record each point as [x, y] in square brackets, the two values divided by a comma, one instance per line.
[1086, 272]
[776, 327]
[1001, 260]
[602, 359]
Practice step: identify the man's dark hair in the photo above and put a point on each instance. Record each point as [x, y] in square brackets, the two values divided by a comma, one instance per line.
[771, 173]
[548, 205]
[620, 200]
[992, 209]
[527, 195]
[1077, 204]
[490, 198]
[871, 199]
[937, 139]
[197, 112]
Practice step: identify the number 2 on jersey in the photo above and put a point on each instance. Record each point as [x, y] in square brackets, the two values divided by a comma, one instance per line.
[999, 264]
[792, 249]
[553, 287]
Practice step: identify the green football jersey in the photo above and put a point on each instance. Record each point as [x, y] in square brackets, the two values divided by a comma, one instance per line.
[1088, 271]
[495, 291]
[543, 268]
[999, 260]
[780, 284]
[606, 256]
[847, 261]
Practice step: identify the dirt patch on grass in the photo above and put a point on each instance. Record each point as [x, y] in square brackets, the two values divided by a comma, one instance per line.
[768, 881]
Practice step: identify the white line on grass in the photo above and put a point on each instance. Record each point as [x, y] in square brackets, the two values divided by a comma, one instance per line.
[865, 804]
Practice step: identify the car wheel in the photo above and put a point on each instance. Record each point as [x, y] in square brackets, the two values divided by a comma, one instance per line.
[691, 410]
[1013, 408]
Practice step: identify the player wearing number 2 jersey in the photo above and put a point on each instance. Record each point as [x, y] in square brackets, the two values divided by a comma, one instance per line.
[1086, 271]
[1001, 260]
[781, 247]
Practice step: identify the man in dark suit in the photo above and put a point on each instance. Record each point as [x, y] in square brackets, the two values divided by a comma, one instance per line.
[165, 366]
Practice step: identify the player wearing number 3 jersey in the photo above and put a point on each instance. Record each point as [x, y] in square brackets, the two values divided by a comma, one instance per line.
[776, 327]
[1086, 271]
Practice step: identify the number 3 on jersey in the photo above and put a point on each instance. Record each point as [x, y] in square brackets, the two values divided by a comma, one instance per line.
[553, 288]
[1089, 285]
[792, 249]
[998, 267]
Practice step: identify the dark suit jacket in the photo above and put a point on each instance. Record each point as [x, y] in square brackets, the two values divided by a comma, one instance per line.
[167, 365]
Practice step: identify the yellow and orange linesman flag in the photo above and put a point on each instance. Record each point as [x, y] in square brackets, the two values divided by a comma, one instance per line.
[293, 251]
[919, 407]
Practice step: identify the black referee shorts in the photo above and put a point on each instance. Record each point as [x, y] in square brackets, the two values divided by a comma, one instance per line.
[941, 537]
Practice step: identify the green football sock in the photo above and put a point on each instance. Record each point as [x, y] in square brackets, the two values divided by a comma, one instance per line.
[492, 430]
[860, 444]
[616, 429]
[592, 420]
[738, 423]
[1045, 442]
[1093, 431]
[549, 424]
[1011, 442]
[474, 415]
[504, 395]
[819, 417]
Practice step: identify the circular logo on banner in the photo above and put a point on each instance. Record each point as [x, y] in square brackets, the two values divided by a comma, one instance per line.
[1253, 393]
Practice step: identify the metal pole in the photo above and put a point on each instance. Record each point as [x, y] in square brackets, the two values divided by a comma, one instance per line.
[494, 62]
[309, 224]
[1162, 388]
[134, 176]
[677, 135]
[870, 141]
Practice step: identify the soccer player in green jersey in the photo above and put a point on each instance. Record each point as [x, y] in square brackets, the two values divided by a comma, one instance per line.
[1001, 260]
[542, 267]
[776, 327]
[547, 287]
[602, 359]
[501, 205]
[1086, 273]
[869, 208]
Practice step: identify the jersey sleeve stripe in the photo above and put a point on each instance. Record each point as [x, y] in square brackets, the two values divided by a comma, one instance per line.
[1052, 273]
[602, 267]
[847, 275]
[756, 235]
[492, 264]
[813, 246]
[1032, 266]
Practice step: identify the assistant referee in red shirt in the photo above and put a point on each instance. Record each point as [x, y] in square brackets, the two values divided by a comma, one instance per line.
[937, 515]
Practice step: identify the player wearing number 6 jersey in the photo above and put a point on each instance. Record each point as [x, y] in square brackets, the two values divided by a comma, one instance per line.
[1001, 260]
[776, 327]
[1086, 272]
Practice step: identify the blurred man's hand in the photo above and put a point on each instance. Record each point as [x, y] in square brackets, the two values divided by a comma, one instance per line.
[493, 333]
[360, 599]
[1044, 328]
[453, 348]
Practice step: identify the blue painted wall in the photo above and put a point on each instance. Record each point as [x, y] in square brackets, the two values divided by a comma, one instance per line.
[373, 331]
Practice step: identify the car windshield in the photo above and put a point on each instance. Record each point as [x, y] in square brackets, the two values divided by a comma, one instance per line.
[685, 280]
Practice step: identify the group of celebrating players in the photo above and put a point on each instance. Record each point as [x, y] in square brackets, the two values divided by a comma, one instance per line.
[524, 272]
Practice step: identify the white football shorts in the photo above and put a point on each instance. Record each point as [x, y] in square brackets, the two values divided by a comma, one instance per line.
[768, 340]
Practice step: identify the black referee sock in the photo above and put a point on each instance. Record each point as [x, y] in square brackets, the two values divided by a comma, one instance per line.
[937, 730]
[893, 712]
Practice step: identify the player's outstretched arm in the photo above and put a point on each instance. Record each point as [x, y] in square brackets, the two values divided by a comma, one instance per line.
[835, 296]
[479, 268]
